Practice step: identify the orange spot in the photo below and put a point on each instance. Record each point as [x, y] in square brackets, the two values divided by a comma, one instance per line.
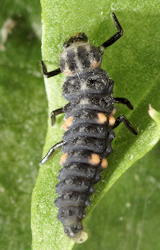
[104, 163]
[95, 64]
[63, 158]
[102, 118]
[67, 72]
[64, 127]
[67, 123]
[95, 159]
[112, 120]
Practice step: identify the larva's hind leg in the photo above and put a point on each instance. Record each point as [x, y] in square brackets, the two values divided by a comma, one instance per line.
[50, 152]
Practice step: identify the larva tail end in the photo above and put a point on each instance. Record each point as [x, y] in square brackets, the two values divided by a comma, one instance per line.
[80, 237]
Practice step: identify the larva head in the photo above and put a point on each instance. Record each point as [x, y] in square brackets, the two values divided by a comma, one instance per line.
[76, 37]
[79, 55]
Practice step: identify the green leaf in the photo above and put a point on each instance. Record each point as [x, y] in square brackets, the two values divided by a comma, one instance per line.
[132, 62]
[23, 108]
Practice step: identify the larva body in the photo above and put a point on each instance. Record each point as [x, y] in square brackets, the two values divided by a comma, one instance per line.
[87, 144]
[89, 124]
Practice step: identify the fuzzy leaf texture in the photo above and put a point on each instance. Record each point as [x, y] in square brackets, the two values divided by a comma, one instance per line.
[133, 63]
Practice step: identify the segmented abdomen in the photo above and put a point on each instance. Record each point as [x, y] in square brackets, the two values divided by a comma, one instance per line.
[87, 140]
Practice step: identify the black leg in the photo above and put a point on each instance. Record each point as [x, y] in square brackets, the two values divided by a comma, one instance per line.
[123, 119]
[53, 115]
[113, 38]
[123, 101]
[50, 152]
[51, 73]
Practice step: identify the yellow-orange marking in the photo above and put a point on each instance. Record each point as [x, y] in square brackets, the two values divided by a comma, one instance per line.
[64, 127]
[67, 123]
[63, 158]
[111, 120]
[102, 118]
[67, 72]
[95, 64]
[95, 159]
[104, 163]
